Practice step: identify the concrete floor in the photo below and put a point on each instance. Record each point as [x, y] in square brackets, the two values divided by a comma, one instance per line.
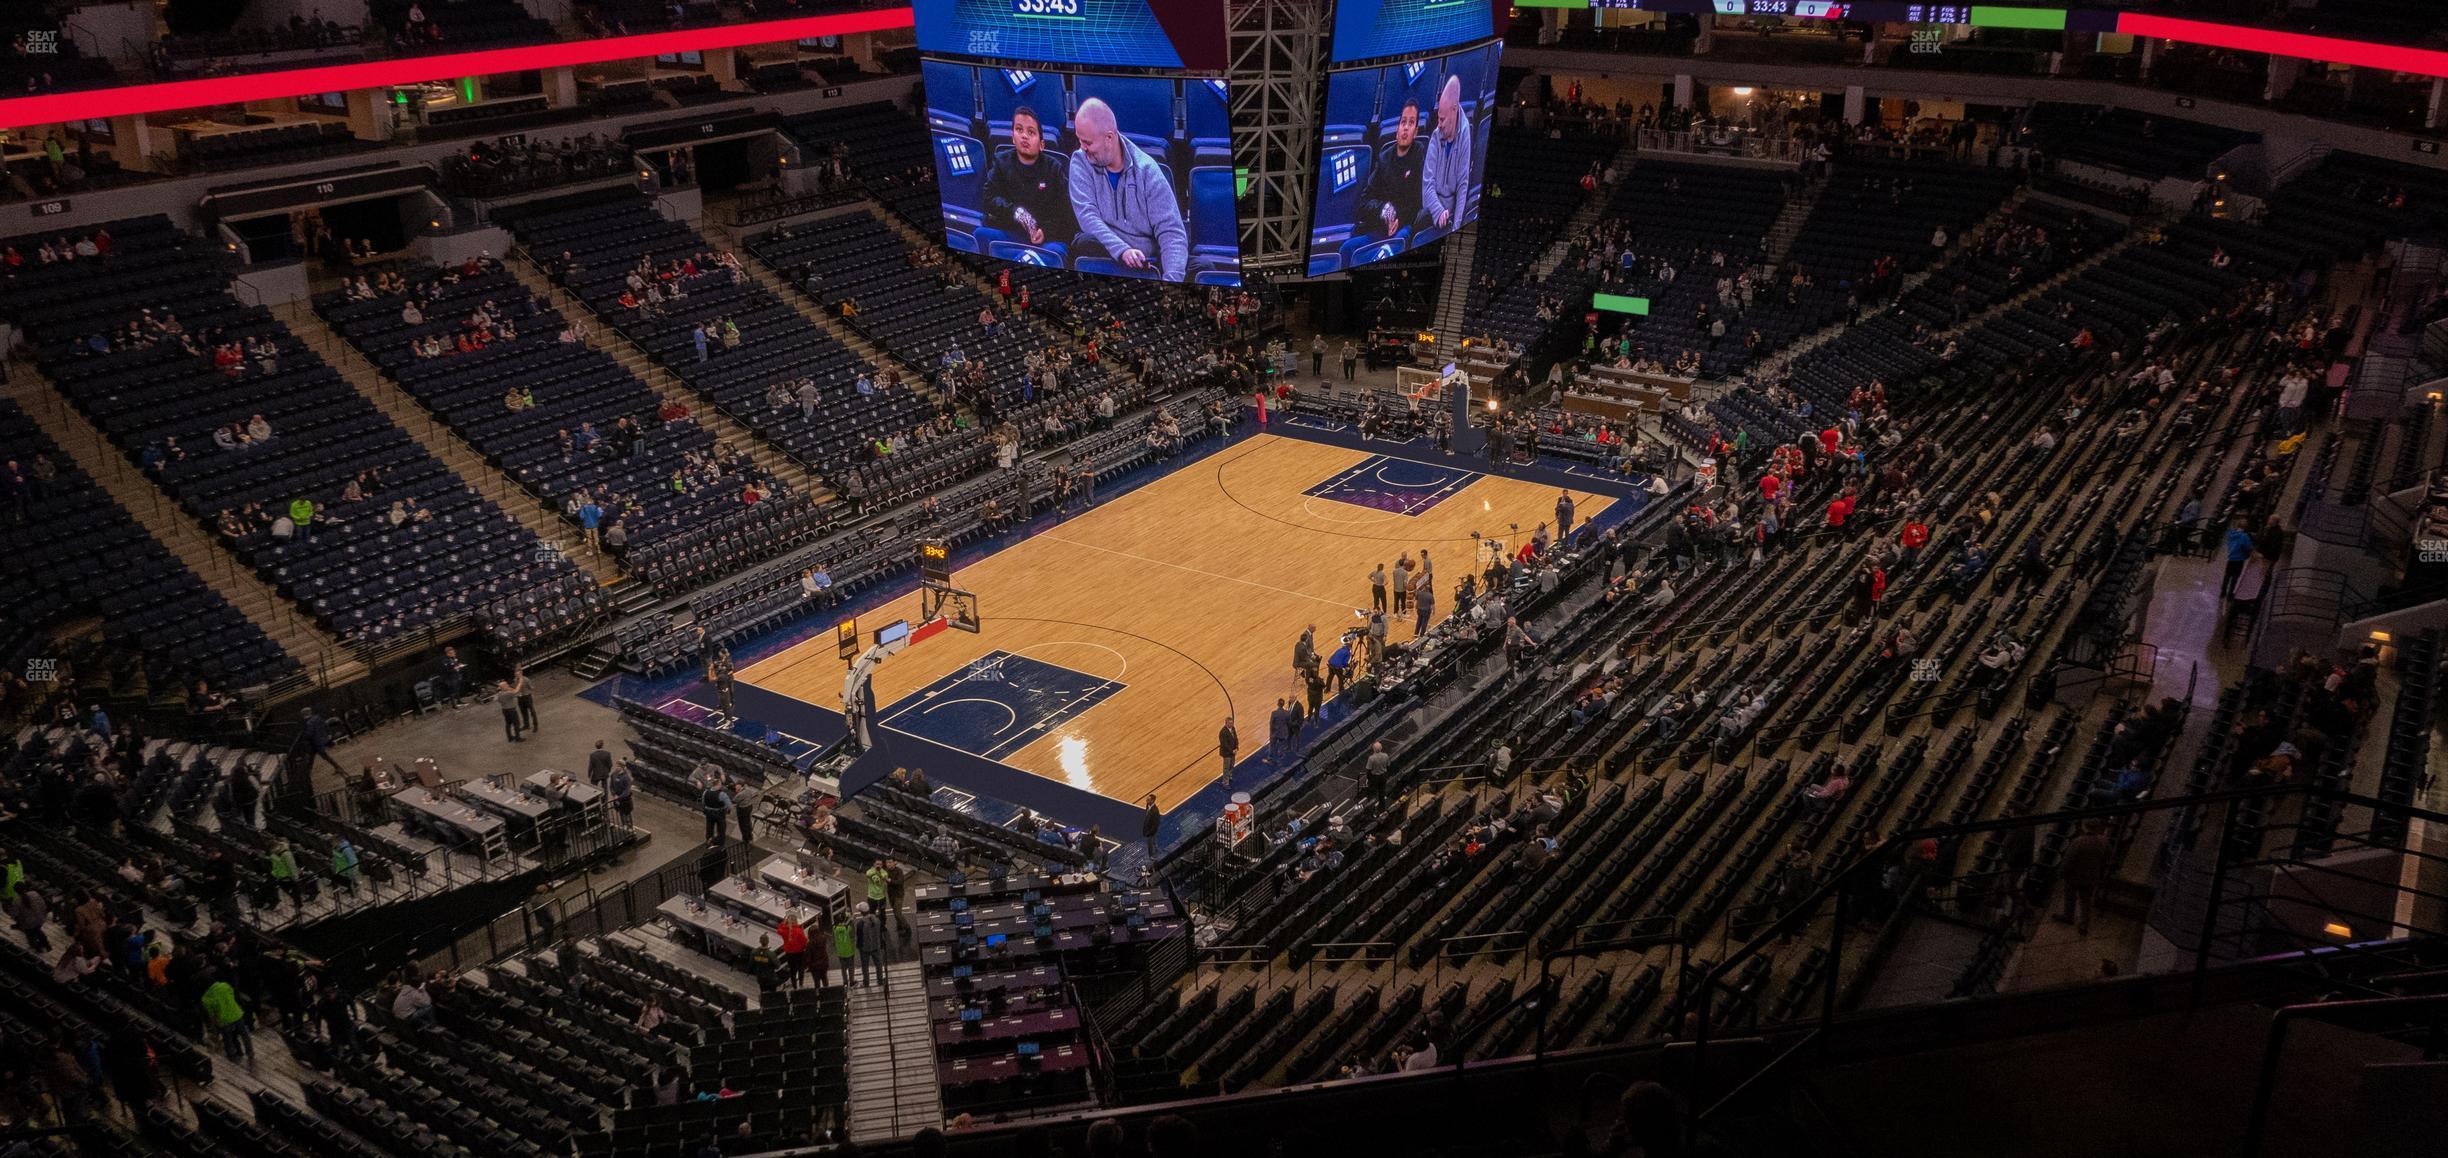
[467, 743]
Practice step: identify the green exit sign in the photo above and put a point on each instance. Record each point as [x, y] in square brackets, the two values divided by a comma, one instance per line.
[1621, 304]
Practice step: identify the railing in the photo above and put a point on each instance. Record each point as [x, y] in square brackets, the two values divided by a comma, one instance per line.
[1720, 142]
[2311, 594]
[2235, 922]
[2432, 1008]
[579, 910]
[1106, 998]
[749, 211]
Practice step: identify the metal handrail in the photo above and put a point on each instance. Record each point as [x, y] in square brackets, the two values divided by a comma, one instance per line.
[1834, 887]
[2273, 1049]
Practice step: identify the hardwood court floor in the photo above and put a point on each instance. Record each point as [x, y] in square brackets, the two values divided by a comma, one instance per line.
[1189, 592]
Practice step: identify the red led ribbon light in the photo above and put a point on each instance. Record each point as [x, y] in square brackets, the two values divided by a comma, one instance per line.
[2360, 53]
[130, 100]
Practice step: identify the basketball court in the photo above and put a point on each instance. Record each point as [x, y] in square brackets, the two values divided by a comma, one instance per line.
[1112, 645]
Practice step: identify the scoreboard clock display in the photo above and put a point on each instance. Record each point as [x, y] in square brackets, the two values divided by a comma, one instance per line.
[1126, 33]
[935, 561]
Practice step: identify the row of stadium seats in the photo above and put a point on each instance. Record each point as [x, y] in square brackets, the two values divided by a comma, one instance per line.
[75, 551]
[2147, 146]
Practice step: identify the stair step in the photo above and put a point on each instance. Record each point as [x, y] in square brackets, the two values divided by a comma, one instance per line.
[522, 266]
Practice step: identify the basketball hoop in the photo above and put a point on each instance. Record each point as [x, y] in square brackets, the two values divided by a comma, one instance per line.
[948, 605]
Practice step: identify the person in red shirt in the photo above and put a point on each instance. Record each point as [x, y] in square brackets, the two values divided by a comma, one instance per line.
[1830, 439]
[1914, 537]
[1838, 510]
[1873, 587]
[1771, 486]
[794, 951]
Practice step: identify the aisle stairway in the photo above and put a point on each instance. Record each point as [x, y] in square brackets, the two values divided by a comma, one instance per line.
[633, 358]
[893, 1085]
[911, 235]
[1583, 220]
[1453, 291]
[443, 443]
[1790, 220]
[810, 309]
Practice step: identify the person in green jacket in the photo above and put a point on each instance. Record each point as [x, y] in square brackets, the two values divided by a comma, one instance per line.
[283, 865]
[222, 1012]
[12, 874]
[845, 946]
[301, 516]
[879, 883]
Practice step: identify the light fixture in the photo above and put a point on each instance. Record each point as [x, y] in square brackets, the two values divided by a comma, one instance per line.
[1742, 90]
[1491, 406]
[2381, 637]
[2435, 398]
[2337, 930]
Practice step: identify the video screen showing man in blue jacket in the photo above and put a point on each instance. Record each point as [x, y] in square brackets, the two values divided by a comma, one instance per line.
[1446, 185]
[1122, 199]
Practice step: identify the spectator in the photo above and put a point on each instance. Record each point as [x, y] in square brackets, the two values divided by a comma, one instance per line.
[223, 1013]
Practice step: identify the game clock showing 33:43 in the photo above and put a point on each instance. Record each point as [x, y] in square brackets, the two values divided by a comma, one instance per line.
[934, 561]
[1047, 9]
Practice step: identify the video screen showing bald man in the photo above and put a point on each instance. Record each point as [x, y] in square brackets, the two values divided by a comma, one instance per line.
[1118, 176]
[1451, 173]
[1122, 198]
[1404, 158]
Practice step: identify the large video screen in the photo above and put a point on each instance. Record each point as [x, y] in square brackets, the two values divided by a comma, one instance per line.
[1404, 158]
[1370, 29]
[1094, 33]
[1129, 176]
